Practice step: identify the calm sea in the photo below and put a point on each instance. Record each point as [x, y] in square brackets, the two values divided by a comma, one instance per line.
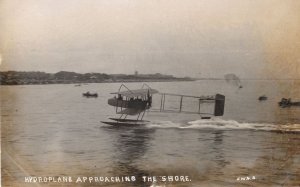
[52, 131]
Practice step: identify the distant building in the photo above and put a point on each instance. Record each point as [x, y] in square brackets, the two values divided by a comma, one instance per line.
[136, 73]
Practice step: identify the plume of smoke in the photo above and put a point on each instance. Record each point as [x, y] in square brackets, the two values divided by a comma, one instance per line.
[233, 80]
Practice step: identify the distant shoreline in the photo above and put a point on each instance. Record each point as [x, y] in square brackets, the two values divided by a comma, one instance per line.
[83, 83]
[64, 77]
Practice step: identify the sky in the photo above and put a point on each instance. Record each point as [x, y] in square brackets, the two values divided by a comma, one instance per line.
[197, 38]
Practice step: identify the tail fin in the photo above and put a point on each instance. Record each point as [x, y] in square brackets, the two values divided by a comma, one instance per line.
[219, 105]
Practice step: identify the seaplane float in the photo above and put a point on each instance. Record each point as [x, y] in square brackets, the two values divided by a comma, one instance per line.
[137, 102]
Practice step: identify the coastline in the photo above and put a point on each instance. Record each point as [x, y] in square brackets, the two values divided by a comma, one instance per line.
[118, 81]
[41, 78]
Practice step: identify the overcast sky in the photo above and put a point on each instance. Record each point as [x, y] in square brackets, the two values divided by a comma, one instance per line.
[198, 38]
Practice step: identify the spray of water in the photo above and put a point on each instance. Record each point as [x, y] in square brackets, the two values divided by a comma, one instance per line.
[233, 80]
[221, 124]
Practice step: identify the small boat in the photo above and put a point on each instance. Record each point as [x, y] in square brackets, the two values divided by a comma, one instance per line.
[287, 103]
[262, 98]
[88, 94]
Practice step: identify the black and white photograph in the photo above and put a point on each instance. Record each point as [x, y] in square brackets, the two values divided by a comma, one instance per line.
[150, 93]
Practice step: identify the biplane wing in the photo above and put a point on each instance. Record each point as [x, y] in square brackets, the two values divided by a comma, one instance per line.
[136, 93]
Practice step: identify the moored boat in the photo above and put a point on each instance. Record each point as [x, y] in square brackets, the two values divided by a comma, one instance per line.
[88, 94]
[287, 103]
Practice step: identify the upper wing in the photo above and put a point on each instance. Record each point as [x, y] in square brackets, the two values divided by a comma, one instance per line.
[136, 93]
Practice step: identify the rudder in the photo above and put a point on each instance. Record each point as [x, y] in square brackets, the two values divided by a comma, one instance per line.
[219, 105]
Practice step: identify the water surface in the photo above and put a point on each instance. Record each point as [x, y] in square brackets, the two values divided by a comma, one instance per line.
[51, 130]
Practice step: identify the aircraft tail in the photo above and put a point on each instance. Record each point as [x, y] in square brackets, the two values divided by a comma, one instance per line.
[219, 105]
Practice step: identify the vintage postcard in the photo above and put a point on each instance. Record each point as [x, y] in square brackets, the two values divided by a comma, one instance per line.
[160, 93]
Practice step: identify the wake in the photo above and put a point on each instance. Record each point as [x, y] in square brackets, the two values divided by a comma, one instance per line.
[221, 124]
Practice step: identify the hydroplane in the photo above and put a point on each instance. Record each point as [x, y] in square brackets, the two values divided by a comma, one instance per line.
[137, 102]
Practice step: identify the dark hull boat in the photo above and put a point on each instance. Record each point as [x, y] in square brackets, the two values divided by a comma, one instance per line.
[263, 98]
[288, 103]
[88, 94]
